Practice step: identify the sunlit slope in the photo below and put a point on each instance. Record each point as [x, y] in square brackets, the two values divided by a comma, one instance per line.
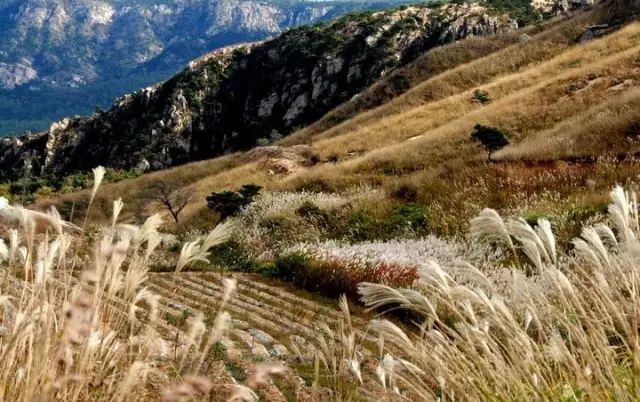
[569, 92]
[557, 97]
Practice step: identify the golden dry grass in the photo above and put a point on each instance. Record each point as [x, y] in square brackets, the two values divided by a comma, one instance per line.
[554, 327]
[613, 125]
[543, 46]
[529, 101]
[133, 191]
[432, 63]
[545, 326]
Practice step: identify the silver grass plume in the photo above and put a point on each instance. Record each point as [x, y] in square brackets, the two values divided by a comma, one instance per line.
[490, 226]
[198, 250]
[4, 251]
[98, 176]
[545, 233]
[530, 242]
[117, 208]
[620, 213]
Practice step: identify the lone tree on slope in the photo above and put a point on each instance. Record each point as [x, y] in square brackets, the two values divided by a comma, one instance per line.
[173, 196]
[491, 139]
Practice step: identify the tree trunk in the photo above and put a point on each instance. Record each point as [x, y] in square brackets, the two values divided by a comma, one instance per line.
[174, 215]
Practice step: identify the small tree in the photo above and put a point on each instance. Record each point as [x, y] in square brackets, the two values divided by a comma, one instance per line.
[173, 196]
[481, 96]
[250, 191]
[229, 203]
[491, 138]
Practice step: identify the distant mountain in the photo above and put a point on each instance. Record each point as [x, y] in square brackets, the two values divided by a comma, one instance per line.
[61, 58]
[230, 99]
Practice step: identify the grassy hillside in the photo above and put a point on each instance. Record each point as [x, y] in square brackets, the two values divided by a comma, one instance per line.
[466, 275]
[546, 90]
[215, 105]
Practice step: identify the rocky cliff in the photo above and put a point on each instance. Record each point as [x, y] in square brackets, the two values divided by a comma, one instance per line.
[230, 99]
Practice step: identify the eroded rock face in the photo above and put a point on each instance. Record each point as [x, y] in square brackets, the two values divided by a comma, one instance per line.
[91, 51]
[14, 75]
[559, 7]
[16, 151]
[229, 99]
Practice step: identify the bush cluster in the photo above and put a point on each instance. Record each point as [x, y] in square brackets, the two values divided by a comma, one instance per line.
[491, 138]
[365, 225]
[32, 187]
[230, 203]
[333, 276]
[481, 97]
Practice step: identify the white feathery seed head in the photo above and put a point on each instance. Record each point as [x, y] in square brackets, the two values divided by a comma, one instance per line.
[98, 176]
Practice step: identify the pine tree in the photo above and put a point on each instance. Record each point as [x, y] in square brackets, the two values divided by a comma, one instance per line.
[491, 138]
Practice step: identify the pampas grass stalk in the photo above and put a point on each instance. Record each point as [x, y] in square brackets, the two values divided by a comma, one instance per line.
[198, 250]
[79, 323]
[117, 209]
[568, 330]
[98, 176]
[79, 319]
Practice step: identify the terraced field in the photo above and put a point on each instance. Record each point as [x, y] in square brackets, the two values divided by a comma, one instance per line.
[267, 319]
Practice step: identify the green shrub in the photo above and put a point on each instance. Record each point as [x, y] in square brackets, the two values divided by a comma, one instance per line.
[218, 351]
[267, 268]
[170, 319]
[184, 317]
[412, 216]
[178, 321]
[310, 211]
[226, 203]
[585, 212]
[84, 180]
[5, 191]
[30, 189]
[276, 222]
[76, 181]
[231, 255]
[43, 192]
[363, 225]
[235, 371]
[250, 191]
[291, 266]
[230, 203]
[521, 10]
[532, 218]
[481, 96]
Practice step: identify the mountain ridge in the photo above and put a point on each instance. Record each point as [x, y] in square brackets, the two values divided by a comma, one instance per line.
[65, 58]
[216, 106]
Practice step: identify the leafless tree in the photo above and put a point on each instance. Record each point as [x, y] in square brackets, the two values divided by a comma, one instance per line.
[172, 195]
